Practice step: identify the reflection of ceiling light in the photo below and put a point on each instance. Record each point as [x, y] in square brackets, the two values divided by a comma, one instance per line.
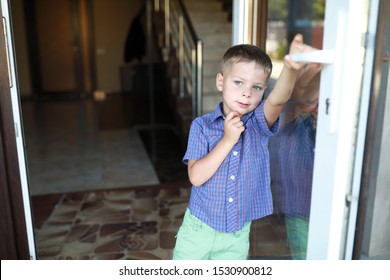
[99, 95]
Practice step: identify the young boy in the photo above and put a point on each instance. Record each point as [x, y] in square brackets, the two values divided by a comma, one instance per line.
[227, 155]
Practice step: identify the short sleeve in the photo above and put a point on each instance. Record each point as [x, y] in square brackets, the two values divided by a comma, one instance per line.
[197, 146]
[262, 122]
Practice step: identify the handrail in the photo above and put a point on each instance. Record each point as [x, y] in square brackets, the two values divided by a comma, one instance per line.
[188, 21]
[181, 36]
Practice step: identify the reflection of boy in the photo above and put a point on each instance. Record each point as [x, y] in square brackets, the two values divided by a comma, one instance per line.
[227, 156]
[292, 159]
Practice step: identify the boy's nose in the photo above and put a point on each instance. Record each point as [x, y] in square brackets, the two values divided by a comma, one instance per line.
[246, 93]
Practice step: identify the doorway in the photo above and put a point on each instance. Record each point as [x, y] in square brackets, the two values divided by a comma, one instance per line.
[95, 140]
[59, 47]
[319, 204]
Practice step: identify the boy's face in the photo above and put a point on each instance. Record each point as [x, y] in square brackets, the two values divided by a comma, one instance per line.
[242, 87]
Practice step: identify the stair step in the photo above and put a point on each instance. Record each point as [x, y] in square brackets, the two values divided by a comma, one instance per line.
[210, 102]
[204, 28]
[209, 84]
[216, 53]
[209, 17]
[214, 28]
[217, 40]
[211, 67]
[205, 6]
[203, 1]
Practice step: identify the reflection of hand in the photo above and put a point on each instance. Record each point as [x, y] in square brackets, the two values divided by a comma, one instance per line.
[314, 113]
[308, 82]
[304, 97]
[305, 93]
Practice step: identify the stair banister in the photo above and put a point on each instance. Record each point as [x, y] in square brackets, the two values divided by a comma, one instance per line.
[180, 34]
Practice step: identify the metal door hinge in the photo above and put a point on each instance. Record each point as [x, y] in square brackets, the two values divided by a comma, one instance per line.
[16, 130]
[368, 40]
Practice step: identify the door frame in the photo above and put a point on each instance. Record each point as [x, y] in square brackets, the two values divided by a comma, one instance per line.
[372, 171]
[341, 130]
[15, 215]
[332, 181]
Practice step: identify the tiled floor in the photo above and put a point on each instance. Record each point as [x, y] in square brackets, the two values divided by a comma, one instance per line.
[123, 222]
[134, 224]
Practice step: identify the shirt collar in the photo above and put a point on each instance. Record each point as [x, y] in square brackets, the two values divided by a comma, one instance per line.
[218, 113]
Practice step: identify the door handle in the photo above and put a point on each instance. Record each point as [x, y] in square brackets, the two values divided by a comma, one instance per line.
[320, 56]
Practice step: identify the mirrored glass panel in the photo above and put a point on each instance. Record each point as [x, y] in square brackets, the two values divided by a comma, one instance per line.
[292, 151]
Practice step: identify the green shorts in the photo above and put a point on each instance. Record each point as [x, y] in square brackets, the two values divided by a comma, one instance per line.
[197, 241]
[297, 234]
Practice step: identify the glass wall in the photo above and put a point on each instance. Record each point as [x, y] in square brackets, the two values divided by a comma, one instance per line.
[292, 150]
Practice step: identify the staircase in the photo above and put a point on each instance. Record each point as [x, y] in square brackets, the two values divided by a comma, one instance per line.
[213, 26]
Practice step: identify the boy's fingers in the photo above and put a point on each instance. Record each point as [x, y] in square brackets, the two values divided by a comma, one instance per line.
[292, 64]
[298, 38]
[230, 116]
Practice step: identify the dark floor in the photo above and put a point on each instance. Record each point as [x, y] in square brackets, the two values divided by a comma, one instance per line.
[138, 222]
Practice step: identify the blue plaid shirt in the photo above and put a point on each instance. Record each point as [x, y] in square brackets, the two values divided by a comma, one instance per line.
[292, 161]
[239, 191]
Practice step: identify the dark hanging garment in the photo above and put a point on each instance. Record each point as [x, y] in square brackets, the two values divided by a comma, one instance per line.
[135, 43]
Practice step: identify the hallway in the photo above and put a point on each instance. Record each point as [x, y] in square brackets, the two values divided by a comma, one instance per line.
[137, 213]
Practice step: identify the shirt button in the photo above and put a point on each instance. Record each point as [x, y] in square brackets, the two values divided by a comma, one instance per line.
[230, 199]
[232, 177]
[235, 153]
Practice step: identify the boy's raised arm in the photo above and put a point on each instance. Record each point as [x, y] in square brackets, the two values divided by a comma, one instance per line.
[286, 82]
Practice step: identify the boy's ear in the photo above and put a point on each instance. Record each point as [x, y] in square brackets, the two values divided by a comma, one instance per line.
[219, 82]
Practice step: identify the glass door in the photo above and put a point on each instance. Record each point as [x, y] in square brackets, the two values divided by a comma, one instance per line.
[318, 191]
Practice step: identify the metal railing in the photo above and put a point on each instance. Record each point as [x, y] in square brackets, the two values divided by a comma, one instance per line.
[181, 37]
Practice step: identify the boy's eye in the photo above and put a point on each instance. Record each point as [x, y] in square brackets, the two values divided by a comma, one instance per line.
[257, 88]
[238, 83]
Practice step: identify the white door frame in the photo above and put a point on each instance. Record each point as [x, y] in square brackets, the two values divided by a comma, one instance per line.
[244, 22]
[18, 128]
[343, 110]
